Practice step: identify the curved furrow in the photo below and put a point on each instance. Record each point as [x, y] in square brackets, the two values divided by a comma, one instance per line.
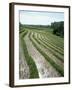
[46, 39]
[46, 56]
[53, 40]
[43, 47]
[45, 69]
[59, 56]
[53, 37]
[51, 43]
[30, 62]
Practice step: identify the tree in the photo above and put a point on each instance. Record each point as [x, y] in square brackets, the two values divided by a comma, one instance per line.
[58, 28]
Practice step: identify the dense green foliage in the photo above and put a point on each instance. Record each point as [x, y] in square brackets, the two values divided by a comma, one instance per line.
[58, 28]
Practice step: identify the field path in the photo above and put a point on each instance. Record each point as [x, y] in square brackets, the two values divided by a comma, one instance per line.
[44, 68]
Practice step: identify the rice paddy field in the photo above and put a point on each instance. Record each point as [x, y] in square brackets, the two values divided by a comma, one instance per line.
[41, 53]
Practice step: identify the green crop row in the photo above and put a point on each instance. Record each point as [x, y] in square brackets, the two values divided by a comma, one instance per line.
[49, 49]
[32, 66]
[47, 43]
[57, 67]
[54, 48]
[46, 39]
[55, 40]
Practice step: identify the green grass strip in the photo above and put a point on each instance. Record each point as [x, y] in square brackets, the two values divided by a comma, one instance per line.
[57, 38]
[57, 67]
[48, 41]
[43, 43]
[60, 41]
[55, 49]
[32, 66]
[46, 46]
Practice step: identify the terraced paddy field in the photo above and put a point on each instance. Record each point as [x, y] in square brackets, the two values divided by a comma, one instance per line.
[41, 54]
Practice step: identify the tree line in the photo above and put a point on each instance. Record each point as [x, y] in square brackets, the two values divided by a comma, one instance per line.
[58, 28]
